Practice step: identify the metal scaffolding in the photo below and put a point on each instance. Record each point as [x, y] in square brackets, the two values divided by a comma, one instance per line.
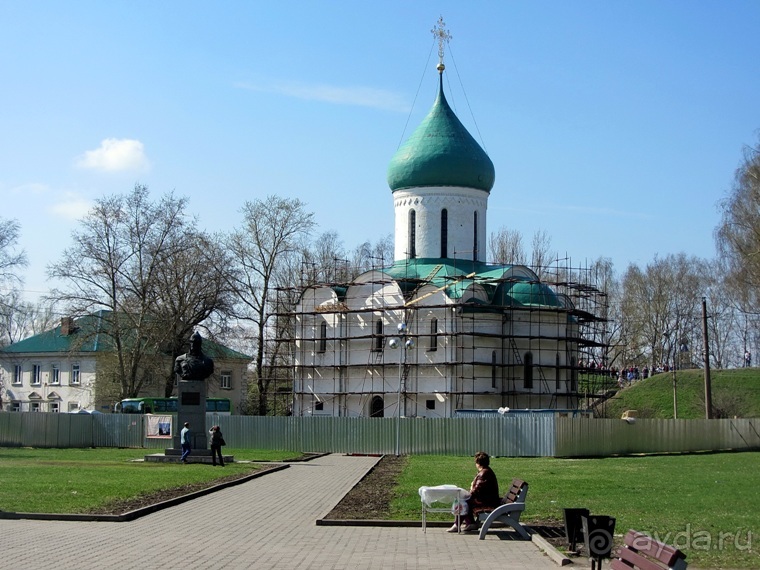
[568, 381]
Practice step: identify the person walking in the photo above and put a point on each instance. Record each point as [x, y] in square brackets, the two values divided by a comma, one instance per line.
[217, 441]
[184, 439]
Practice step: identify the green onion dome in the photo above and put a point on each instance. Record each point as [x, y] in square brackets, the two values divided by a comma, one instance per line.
[525, 293]
[441, 153]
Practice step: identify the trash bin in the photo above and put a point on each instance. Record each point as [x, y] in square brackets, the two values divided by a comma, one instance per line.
[574, 526]
[598, 533]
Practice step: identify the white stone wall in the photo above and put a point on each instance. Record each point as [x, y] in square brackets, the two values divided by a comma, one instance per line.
[349, 373]
[46, 393]
[82, 396]
[461, 203]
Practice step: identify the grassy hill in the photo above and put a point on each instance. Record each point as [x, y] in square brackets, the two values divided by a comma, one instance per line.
[734, 393]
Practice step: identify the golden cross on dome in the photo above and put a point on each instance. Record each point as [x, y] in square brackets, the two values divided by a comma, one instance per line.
[443, 36]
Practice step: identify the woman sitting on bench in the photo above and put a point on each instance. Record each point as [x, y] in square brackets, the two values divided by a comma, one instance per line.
[484, 494]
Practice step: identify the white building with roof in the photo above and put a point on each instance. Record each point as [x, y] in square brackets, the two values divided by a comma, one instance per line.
[56, 370]
[439, 330]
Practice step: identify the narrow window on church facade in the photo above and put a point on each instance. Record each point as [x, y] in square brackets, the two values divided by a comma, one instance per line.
[475, 236]
[433, 334]
[573, 375]
[557, 370]
[322, 337]
[444, 233]
[528, 371]
[377, 407]
[412, 234]
[377, 345]
[493, 369]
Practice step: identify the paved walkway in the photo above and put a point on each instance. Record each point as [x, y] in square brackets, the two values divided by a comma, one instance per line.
[268, 522]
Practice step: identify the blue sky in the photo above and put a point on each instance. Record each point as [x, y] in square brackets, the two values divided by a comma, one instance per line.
[614, 126]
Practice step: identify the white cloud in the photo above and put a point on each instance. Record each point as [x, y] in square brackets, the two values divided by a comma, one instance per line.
[360, 96]
[114, 155]
[71, 207]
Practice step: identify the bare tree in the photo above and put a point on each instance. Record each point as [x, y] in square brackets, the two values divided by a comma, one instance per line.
[541, 254]
[191, 290]
[272, 230]
[11, 261]
[324, 260]
[738, 234]
[608, 308]
[506, 247]
[724, 322]
[21, 319]
[139, 263]
[661, 310]
[370, 255]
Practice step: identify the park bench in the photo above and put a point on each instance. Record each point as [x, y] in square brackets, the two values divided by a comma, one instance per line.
[645, 553]
[512, 505]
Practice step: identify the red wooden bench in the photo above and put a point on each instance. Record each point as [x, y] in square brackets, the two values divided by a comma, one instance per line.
[645, 553]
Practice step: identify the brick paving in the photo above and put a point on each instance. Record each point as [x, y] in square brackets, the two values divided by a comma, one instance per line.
[268, 522]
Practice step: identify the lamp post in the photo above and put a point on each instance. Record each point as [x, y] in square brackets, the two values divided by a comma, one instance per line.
[708, 386]
[682, 349]
[406, 344]
[666, 337]
[675, 394]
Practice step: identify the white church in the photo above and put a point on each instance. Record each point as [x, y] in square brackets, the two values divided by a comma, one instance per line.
[440, 331]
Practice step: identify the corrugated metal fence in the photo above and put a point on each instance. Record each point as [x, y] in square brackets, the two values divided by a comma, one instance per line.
[31, 429]
[601, 438]
[540, 435]
[525, 436]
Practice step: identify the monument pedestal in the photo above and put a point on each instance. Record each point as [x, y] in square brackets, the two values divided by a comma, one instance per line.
[192, 368]
[196, 456]
[191, 408]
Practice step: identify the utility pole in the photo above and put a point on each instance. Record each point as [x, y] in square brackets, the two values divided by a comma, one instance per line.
[708, 387]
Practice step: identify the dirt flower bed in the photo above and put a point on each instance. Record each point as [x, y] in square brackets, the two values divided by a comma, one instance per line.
[371, 497]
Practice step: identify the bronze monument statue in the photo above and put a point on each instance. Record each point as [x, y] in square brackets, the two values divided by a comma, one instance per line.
[194, 365]
[193, 368]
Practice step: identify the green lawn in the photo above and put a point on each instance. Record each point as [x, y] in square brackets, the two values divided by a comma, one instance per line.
[734, 393]
[83, 480]
[706, 504]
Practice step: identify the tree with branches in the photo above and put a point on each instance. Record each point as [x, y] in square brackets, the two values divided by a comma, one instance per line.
[506, 247]
[152, 276]
[263, 248]
[737, 236]
[661, 309]
[11, 261]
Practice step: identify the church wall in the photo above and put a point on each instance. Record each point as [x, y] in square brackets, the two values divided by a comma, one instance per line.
[459, 373]
[428, 203]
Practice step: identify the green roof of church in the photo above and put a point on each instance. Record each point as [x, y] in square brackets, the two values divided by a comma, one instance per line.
[441, 152]
[451, 275]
